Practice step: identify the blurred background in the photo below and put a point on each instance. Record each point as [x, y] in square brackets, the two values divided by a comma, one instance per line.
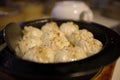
[105, 12]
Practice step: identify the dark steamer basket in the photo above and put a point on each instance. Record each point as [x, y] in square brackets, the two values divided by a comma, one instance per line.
[77, 70]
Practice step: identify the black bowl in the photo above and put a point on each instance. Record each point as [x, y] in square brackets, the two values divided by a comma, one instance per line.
[77, 70]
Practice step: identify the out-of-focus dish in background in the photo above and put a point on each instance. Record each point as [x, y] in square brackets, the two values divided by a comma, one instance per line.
[74, 10]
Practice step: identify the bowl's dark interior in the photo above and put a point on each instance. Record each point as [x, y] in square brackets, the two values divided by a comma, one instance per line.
[110, 52]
